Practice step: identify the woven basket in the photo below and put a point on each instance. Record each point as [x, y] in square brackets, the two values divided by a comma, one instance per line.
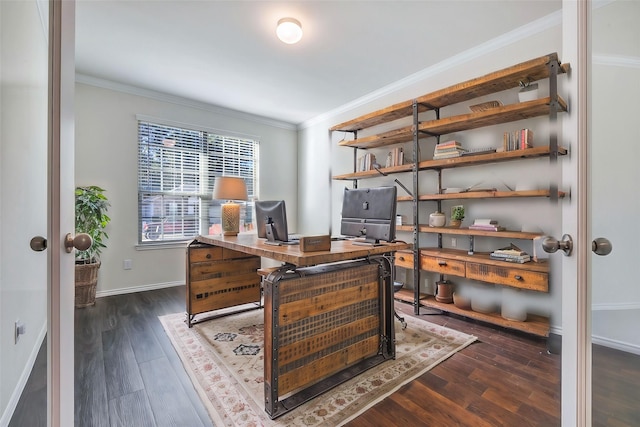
[86, 281]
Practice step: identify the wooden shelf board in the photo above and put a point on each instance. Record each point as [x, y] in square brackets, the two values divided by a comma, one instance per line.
[374, 173]
[508, 78]
[535, 325]
[407, 295]
[493, 116]
[459, 123]
[489, 195]
[506, 234]
[479, 159]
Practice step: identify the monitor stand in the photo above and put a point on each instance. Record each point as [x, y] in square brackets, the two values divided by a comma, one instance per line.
[367, 242]
[272, 238]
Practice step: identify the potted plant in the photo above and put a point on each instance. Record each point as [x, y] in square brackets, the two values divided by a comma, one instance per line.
[91, 218]
[457, 215]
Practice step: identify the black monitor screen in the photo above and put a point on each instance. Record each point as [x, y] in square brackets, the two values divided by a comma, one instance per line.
[369, 213]
[271, 219]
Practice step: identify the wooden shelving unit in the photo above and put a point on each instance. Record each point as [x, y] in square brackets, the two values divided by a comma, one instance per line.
[535, 325]
[529, 276]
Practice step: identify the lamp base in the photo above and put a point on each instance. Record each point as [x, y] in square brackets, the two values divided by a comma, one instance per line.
[230, 215]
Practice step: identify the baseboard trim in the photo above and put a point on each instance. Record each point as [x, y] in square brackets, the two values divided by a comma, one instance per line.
[22, 381]
[134, 289]
[615, 344]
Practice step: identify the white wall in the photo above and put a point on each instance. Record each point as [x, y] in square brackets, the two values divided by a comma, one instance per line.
[319, 153]
[106, 155]
[616, 61]
[23, 193]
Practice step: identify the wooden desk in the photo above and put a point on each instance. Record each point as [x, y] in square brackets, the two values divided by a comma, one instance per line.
[328, 315]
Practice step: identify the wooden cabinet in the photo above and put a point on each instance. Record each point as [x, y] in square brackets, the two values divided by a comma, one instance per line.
[475, 266]
[219, 278]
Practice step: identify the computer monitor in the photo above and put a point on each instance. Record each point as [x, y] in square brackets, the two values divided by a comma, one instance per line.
[271, 219]
[369, 213]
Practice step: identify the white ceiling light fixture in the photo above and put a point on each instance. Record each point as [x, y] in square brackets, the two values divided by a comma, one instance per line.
[289, 30]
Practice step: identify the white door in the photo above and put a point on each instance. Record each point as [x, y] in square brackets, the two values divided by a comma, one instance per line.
[36, 287]
[614, 204]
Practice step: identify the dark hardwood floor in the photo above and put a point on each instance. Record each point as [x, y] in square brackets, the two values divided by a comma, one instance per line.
[128, 374]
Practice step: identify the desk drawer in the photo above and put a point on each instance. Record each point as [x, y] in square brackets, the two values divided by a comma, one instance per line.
[443, 265]
[213, 253]
[509, 276]
[432, 263]
[208, 253]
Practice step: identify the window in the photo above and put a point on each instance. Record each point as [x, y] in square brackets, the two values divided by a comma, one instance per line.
[176, 171]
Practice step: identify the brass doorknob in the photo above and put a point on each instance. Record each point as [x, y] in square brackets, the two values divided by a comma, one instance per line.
[81, 242]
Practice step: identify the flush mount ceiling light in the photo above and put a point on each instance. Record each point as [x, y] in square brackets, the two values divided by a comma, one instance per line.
[289, 30]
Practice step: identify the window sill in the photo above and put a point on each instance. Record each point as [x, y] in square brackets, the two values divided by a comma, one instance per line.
[182, 244]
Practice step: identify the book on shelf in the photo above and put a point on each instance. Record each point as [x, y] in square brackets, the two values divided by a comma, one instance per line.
[486, 227]
[517, 140]
[447, 155]
[395, 157]
[484, 221]
[366, 162]
[512, 250]
[446, 150]
[516, 259]
[448, 144]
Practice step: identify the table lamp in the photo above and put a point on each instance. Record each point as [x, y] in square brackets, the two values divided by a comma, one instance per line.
[230, 189]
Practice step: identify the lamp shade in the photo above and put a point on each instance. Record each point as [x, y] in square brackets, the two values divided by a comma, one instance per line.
[229, 188]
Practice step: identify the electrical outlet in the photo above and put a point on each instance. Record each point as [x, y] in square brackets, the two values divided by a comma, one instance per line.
[127, 264]
[454, 242]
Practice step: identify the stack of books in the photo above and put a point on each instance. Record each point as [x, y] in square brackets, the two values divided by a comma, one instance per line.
[511, 254]
[486, 225]
[448, 150]
[517, 140]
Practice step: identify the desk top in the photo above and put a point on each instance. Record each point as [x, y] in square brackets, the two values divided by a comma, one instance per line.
[341, 250]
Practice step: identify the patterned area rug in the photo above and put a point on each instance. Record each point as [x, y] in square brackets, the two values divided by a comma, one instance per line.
[224, 358]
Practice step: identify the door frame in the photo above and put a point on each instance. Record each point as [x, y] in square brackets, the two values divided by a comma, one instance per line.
[576, 300]
[60, 195]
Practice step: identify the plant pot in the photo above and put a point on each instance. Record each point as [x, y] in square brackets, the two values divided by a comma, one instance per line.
[444, 292]
[455, 223]
[86, 283]
[461, 302]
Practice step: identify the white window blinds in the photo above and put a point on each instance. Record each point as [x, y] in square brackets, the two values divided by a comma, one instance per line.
[176, 170]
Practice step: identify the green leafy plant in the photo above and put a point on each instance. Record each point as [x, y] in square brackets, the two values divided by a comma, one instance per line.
[92, 218]
[457, 213]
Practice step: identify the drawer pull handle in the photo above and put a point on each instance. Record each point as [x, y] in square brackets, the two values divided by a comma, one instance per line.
[208, 256]
[518, 277]
[401, 258]
[441, 262]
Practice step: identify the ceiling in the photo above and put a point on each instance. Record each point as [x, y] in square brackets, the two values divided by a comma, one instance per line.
[225, 53]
